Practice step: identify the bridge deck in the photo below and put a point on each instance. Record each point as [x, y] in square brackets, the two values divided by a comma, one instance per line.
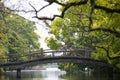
[41, 59]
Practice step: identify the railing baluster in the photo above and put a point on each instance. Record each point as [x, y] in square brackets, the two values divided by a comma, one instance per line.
[41, 52]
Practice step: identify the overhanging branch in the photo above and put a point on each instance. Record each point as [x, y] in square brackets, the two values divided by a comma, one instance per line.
[117, 33]
[66, 7]
[107, 9]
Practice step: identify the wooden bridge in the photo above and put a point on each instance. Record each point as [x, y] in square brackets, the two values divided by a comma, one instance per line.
[38, 57]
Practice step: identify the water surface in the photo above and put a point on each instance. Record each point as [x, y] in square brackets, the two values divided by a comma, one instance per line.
[52, 74]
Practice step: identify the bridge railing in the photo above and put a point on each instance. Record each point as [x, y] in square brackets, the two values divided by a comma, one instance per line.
[45, 53]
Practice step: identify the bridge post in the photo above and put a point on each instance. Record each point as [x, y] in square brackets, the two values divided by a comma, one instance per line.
[8, 59]
[41, 52]
[110, 72]
[17, 58]
[18, 73]
[53, 54]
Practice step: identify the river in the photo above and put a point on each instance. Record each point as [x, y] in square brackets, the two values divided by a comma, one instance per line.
[52, 74]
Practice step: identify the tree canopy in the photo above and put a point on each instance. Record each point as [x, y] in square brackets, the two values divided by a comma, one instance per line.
[17, 34]
[88, 23]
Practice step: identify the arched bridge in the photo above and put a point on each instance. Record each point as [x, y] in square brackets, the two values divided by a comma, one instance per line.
[39, 58]
[73, 59]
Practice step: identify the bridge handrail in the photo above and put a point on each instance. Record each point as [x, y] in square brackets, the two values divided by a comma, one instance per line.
[41, 52]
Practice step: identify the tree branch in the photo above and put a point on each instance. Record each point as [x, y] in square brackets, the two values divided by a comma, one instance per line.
[117, 33]
[92, 2]
[66, 7]
[107, 9]
[47, 18]
[47, 24]
[36, 12]
[15, 10]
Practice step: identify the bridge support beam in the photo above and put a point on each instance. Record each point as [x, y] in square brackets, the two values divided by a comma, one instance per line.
[110, 72]
[19, 73]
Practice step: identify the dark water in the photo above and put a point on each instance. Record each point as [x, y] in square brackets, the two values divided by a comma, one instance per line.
[53, 74]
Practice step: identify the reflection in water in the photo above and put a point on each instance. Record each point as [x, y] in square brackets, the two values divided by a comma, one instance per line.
[85, 76]
[52, 74]
[48, 74]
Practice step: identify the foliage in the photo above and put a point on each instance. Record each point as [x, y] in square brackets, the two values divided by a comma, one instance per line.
[52, 43]
[83, 27]
[17, 35]
[24, 37]
[71, 67]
